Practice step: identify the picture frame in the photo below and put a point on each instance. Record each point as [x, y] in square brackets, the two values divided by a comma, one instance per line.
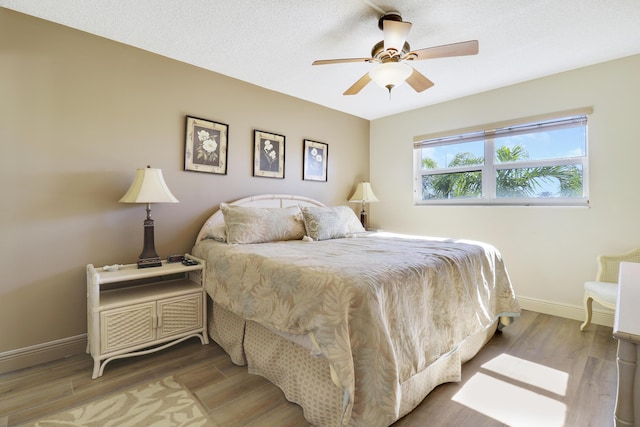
[315, 159]
[268, 154]
[206, 146]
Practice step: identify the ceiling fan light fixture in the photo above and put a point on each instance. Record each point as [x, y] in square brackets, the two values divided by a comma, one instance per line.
[390, 74]
[395, 33]
[393, 41]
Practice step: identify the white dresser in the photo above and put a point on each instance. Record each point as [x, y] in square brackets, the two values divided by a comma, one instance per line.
[626, 330]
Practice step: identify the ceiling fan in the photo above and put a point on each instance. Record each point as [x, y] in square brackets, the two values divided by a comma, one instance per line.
[393, 54]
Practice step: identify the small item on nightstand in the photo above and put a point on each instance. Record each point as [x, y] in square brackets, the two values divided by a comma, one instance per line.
[188, 261]
[175, 258]
[114, 267]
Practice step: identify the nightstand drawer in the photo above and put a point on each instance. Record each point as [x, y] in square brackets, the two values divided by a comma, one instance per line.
[127, 327]
[179, 315]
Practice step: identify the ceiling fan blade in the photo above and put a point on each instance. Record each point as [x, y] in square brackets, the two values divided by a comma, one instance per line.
[418, 81]
[395, 34]
[341, 61]
[455, 49]
[357, 86]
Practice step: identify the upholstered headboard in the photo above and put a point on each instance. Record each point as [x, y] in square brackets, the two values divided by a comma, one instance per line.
[261, 201]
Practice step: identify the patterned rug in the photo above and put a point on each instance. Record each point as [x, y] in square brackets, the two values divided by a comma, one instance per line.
[162, 403]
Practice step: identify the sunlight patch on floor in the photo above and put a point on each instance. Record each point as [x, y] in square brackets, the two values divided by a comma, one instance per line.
[530, 373]
[510, 404]
[517, 392]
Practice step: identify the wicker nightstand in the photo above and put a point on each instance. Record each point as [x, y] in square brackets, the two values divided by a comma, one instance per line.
[134, 311]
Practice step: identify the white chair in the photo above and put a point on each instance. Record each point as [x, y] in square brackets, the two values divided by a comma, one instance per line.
[604, 290]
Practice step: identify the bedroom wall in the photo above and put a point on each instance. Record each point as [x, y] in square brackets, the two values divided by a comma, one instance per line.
[78, 115]
[549, 251]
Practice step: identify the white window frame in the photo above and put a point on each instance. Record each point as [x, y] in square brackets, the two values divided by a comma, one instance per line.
[489, 169]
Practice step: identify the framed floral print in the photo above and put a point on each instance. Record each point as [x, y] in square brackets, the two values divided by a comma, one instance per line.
[314, 160]
[206, 146]
[268, 154]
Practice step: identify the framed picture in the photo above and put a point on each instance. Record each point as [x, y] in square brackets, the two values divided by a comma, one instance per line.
[268, 154]
[314, 160]
[206, 146]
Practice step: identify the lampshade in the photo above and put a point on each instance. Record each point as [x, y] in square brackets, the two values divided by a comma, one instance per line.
[148, 187]
[364, 194]
[390, 74]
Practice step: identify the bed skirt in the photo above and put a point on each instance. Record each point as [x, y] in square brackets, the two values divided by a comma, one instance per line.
[305, 379]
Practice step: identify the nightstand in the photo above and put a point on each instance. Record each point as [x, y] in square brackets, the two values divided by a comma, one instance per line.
[132, 311]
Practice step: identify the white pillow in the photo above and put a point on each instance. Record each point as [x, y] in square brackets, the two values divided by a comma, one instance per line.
[217, 232]
[324, 223]
[246, 224]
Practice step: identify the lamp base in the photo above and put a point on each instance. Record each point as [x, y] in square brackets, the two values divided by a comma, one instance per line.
[149, 257]
[364, 219]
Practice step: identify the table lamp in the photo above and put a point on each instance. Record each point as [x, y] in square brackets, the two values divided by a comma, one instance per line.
[148, 187]
[363, 194]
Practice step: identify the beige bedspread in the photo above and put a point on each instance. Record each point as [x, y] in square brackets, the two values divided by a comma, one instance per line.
[380, 307]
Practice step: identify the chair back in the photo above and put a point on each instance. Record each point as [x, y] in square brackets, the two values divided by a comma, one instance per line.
[609, 266]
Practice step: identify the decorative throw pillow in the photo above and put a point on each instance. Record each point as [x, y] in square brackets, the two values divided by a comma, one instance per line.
[246, 224]
[324, 223]
[217, 232]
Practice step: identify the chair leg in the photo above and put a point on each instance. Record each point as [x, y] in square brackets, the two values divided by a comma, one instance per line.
[588, 302]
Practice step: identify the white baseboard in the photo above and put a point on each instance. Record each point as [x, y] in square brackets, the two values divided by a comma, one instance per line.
[41, 353]
[600, 316]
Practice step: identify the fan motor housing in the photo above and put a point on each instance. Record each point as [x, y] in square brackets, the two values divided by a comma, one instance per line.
[380, 54]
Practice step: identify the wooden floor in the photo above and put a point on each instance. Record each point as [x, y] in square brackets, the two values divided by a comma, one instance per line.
[540, 371]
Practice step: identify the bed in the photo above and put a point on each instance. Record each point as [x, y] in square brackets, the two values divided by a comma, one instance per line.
[356, 327]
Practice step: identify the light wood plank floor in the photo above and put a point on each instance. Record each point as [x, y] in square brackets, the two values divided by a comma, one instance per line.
[540, 371]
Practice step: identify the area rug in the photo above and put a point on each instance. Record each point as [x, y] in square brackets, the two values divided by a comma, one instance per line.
[162, 403]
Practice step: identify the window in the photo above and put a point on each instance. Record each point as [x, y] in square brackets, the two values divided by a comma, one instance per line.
[532, 163]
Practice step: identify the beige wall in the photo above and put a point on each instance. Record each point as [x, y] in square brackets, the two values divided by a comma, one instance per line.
[78, 115]
[549, 251]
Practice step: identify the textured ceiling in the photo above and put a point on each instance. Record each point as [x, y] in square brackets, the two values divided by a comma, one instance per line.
[273, 43]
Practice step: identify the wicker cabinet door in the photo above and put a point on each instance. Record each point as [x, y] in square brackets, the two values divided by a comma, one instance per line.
[179, 315]
[126, 327]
